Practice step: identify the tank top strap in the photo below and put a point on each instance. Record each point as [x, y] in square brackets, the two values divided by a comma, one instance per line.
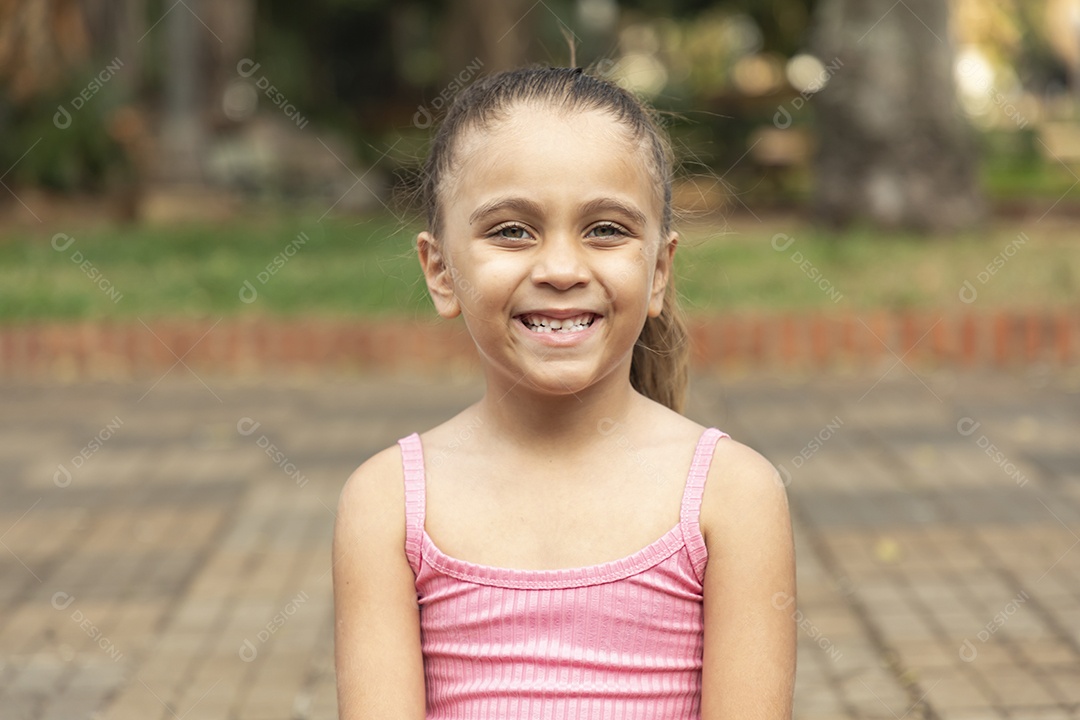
[412, 460]
[691, 503]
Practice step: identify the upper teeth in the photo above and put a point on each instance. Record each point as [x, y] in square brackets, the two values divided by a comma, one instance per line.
[540, 323]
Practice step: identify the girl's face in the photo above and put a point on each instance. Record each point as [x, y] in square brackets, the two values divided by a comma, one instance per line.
[550, 247]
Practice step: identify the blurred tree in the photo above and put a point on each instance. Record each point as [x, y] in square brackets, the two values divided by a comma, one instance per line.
[895, 149]
[496, 33]
[40, 42]
[782, 23]
[1063, 29]
[184, 134]
[63, 78]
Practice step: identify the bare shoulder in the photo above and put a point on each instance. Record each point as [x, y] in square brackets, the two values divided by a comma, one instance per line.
[377, 653]
[372, 500]
[743, 492]
[749, 578]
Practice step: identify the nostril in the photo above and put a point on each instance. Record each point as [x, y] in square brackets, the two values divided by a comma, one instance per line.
[561, 276]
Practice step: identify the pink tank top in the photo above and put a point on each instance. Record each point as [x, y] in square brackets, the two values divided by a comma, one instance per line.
[622, 639]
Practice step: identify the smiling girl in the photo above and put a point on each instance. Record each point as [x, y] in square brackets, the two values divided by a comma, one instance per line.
[581, 549]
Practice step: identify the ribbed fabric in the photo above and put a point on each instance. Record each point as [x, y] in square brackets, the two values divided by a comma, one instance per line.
[622, 639]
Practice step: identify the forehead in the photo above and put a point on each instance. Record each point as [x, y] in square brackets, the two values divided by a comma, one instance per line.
[555, 156]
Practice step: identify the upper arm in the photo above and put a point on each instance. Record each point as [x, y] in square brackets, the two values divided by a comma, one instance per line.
[750, 633]
[377, 654]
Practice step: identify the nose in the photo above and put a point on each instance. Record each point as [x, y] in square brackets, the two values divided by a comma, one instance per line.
[561, 262]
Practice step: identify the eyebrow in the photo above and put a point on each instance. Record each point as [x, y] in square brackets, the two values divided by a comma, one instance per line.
[528, 207]
[611, 205]
[517, 204]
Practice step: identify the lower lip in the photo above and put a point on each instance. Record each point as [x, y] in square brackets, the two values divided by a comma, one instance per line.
[560, 339]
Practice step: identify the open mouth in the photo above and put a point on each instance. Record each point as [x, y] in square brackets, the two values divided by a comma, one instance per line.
[543, 324]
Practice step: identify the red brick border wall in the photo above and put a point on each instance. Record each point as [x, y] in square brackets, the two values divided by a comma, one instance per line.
[992, 339]
[752, 341]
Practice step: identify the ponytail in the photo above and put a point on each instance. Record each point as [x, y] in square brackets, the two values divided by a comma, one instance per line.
[659, 366]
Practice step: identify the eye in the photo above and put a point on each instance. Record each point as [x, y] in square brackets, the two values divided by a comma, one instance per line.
[510, 231]
[607, 231]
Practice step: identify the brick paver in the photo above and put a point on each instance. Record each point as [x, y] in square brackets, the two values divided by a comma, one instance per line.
[165, 548]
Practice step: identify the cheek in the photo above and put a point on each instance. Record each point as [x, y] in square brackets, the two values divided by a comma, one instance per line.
[629, 276]
[484, 281]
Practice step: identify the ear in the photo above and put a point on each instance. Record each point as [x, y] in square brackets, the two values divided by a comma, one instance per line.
[439, 277]
[665, 259]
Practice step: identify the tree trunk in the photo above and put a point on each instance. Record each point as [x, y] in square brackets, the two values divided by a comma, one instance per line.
[40, 42]
[184, 134]
[895, 149]
[496, 34]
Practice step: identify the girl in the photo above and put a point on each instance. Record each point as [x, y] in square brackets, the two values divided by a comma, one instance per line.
[570, 546]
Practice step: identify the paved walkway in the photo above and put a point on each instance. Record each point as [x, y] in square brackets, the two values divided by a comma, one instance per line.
[164, 548]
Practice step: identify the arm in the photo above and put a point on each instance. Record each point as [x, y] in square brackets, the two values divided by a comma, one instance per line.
[748, 668]
[380, 671]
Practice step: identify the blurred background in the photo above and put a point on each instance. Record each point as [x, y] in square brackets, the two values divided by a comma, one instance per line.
[925, 135]
[211, 312]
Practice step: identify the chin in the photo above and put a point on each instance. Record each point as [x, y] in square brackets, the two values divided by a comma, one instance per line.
[560, 381]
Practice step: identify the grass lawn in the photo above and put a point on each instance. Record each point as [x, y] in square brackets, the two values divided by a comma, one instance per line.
[356, 267]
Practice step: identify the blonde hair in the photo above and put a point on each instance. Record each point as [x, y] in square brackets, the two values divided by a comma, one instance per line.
[660, 359]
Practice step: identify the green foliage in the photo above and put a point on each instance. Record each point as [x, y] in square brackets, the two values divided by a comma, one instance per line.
[1015, 168]
[60, 141]
[783, 22]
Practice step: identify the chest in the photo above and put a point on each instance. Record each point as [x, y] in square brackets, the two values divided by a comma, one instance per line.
[552, 515]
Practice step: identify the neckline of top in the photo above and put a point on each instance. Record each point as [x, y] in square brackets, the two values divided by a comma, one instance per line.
[649, 556]
[609, 571]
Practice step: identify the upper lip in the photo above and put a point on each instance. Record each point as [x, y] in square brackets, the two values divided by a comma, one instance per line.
[559, 314]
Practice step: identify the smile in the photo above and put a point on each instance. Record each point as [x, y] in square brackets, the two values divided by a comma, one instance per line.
[543, 324]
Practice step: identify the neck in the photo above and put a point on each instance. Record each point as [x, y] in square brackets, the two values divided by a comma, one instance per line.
[558, 423]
